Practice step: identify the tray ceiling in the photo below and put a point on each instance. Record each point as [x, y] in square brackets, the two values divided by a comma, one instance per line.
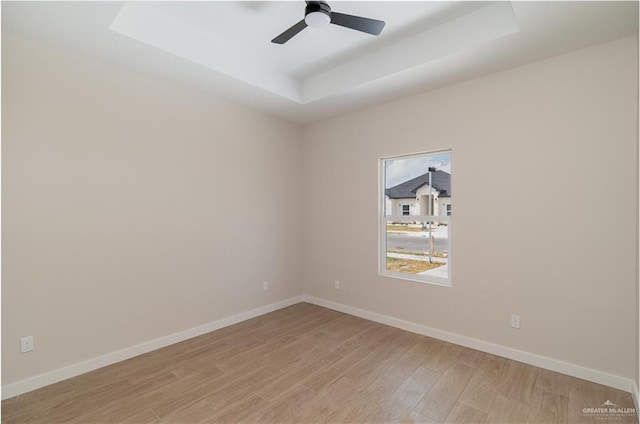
[224, 48]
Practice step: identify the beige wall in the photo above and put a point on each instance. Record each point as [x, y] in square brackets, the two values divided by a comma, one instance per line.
[130, 210]
[567, 124]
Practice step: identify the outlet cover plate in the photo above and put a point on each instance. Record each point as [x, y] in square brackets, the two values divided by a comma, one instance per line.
[515, 321]
[26, 344]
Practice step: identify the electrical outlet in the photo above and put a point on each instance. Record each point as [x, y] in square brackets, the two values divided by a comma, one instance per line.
[265, 285]
[26, 344]
[336, 285]
[515, 321]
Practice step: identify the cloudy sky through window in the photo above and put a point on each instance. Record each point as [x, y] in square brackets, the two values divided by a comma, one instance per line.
[400, 170]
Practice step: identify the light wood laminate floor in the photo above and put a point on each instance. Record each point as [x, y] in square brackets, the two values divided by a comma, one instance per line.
[307, 364]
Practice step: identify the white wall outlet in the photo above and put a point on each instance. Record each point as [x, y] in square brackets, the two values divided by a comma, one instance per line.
[336, 285]
[515, 321]
[26, 344]
[265, 285]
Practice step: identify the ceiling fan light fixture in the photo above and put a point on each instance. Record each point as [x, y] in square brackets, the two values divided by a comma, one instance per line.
[317, 19]
[318, 14]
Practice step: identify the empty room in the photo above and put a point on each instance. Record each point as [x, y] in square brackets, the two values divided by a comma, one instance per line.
[320, 212]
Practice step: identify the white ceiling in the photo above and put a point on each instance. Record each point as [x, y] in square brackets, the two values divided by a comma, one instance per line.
[224, 48]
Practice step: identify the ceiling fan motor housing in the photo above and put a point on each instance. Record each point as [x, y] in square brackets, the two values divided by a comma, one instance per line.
[317, 13]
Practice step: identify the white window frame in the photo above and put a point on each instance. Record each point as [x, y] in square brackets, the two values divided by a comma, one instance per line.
[382, 219]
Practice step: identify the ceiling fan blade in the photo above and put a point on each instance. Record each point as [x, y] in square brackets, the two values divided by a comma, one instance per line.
[370, 26]
[290, 33]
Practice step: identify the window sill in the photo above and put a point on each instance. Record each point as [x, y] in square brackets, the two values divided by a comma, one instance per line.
[418, 279]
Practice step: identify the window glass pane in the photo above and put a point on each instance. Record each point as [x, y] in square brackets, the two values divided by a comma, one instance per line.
[417, 186]
[417, 248]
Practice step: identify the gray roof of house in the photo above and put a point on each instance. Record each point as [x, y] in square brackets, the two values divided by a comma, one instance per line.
[440, 181]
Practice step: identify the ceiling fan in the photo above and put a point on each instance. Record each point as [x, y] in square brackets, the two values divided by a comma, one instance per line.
[319, 14]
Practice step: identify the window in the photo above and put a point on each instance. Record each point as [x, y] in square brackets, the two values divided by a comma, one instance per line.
[415, 217]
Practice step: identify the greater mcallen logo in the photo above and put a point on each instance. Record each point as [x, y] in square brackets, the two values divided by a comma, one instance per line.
[609, 410]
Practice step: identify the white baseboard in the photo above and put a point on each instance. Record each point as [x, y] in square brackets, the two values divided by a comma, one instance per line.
[60, 374]
[578, 371]
[573, 370]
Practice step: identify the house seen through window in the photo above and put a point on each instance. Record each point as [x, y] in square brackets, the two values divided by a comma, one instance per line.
[415, 222]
